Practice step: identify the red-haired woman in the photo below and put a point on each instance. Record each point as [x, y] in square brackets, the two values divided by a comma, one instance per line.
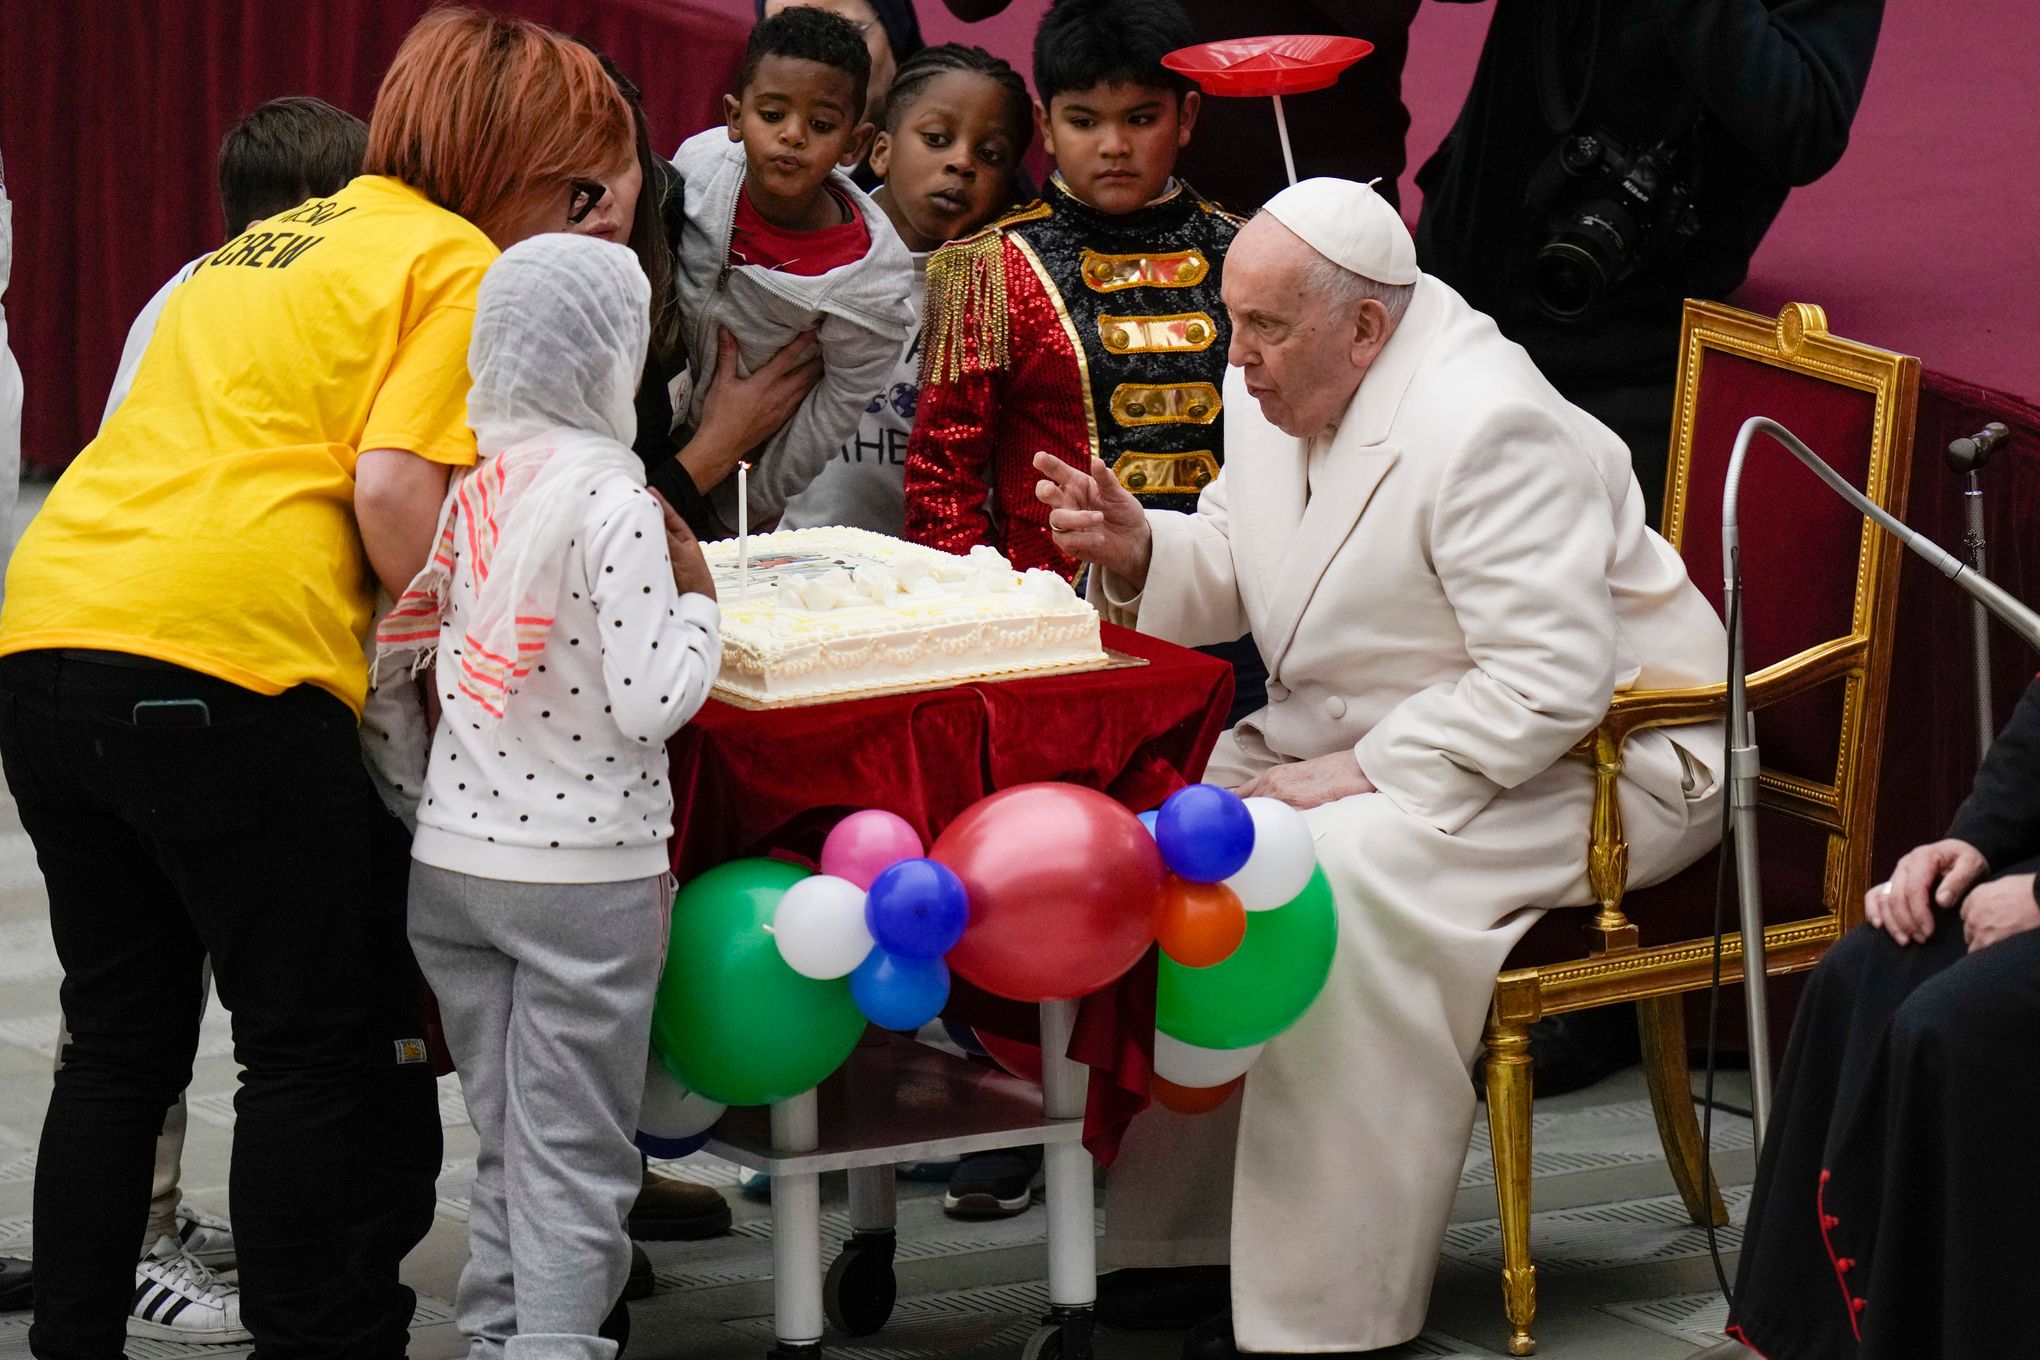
[181, 671]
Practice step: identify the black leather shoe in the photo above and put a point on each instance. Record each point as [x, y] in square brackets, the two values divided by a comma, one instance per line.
[640, 1283]
[17, 1284]
[1162, 1299]
[616, 1327]
[1212, 1339]
[1572, 1052]
[669, 1210]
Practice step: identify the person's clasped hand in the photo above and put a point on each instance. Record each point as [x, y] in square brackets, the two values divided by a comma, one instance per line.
[1941, 876]
[1999, 908]
[691, 575]
[1903, 906]
[1310, 783]
[1094, 519]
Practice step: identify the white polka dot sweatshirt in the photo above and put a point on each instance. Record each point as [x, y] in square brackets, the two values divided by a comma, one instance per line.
[571, 787]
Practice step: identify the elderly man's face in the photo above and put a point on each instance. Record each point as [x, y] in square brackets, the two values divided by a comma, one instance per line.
[1303, 356]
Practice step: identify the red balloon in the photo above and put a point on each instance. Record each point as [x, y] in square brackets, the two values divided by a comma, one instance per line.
[1065, 886]
[1201, 923]
[1191, 1099]
[1020, 1060]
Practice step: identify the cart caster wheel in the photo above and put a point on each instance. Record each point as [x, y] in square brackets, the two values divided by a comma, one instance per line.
[860, 1289]
[1045, 1344]
[1064, 1339]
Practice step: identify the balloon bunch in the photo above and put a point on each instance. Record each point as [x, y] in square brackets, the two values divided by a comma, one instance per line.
[1247, 930]
[880, 914]
[1043, 892]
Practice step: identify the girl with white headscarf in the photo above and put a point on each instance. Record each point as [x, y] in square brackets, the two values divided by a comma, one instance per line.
[572, 628]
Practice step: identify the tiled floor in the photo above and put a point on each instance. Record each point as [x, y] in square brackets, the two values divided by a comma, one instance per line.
[1622, 1275]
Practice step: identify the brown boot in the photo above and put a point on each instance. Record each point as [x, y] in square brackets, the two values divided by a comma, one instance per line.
[677, 1211]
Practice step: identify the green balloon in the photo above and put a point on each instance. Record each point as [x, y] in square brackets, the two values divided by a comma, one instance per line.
[732, 1021]
[1267, 984]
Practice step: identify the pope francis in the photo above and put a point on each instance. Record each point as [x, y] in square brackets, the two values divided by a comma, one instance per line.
[1446, 568]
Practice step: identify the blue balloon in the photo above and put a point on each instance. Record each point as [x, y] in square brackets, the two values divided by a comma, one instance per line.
[917, 909]
[1205, 833]
[666, 1149]
[1148, 819]
[899, 993]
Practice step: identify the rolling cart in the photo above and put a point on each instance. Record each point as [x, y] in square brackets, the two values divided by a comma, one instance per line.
[905, 1102]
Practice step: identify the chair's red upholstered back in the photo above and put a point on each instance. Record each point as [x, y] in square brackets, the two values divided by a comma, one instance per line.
[1802, 545]
[1813, 573]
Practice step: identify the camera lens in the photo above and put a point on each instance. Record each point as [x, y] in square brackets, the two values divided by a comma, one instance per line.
[1584, 259]
[1568, 280]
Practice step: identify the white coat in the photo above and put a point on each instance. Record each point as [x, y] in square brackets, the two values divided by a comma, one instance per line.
[1453, 594]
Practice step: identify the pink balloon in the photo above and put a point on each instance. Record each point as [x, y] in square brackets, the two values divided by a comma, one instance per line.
[865, 844]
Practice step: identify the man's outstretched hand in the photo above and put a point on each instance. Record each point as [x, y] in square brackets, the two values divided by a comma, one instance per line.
[1095, 519]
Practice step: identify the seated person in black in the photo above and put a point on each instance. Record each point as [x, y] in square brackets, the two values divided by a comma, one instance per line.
[1897, 1204]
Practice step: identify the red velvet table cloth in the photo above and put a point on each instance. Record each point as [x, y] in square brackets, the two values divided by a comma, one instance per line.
[773, 782]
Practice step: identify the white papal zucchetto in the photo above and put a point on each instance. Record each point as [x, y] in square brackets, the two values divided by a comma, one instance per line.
[1349, 224]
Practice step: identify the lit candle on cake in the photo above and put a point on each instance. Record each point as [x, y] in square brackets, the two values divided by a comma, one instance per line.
[743, 530]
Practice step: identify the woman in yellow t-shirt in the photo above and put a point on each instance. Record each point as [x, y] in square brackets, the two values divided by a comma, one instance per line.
[181, 669]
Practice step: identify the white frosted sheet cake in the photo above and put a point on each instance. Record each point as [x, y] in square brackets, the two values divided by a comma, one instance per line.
[832, 613]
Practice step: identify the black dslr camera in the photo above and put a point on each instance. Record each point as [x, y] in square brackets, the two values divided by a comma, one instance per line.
[1626, 211]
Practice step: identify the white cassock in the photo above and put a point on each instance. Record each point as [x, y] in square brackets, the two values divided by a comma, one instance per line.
[1451, 585]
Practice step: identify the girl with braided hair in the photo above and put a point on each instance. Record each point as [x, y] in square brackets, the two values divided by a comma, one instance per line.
[954, 126]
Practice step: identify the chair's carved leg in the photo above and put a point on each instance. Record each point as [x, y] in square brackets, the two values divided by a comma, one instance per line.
[1508, 1103]
[1608, 853]
[1661, 1025]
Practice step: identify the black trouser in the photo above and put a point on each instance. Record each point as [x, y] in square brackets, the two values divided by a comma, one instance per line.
[244, 829]
[1897, 1167]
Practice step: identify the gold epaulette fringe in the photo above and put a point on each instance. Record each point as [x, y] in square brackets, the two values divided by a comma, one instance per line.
[966, 302]
[966, 330]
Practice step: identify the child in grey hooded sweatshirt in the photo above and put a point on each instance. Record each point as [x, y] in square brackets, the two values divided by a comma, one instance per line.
[777, 240]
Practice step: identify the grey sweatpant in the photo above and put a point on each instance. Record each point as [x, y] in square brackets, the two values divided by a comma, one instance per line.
[545, 990]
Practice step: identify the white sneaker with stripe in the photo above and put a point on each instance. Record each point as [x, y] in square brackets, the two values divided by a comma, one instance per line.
[178, 1299]
[206, 1237]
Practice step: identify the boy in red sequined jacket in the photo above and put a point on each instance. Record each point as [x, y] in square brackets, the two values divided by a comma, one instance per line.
[1088, 322]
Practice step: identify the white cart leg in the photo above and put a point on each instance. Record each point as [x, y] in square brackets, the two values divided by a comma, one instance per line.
[874, 1203]
[1072, 1227]
[796, 1232]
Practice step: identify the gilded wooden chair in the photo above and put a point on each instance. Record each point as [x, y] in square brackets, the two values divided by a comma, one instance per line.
[1820, 594]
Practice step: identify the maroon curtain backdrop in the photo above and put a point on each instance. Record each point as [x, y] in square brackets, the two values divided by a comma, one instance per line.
[111, 113]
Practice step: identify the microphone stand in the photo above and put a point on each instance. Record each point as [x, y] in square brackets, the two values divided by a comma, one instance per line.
[1742, 754]
[1966, 457]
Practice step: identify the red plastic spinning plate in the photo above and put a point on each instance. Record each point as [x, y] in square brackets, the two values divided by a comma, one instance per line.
[1249, 67]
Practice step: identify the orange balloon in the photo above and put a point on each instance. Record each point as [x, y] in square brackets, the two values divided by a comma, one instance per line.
[1191, 1099]
[1200, 923]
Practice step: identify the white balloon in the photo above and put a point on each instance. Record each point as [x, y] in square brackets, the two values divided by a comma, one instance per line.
[820, 928]
[1189, 1065]
[1284, 854]
[671, 1111]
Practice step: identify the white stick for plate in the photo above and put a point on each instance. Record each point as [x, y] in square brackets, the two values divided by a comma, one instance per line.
[743, 531]
[1282, 128]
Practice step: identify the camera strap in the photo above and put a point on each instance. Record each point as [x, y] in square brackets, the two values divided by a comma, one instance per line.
[1557, 23]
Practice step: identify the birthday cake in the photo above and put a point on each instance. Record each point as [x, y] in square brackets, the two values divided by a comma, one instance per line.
[833, 613]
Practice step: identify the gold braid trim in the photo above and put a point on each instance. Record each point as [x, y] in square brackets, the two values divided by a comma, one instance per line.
[967, 298]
